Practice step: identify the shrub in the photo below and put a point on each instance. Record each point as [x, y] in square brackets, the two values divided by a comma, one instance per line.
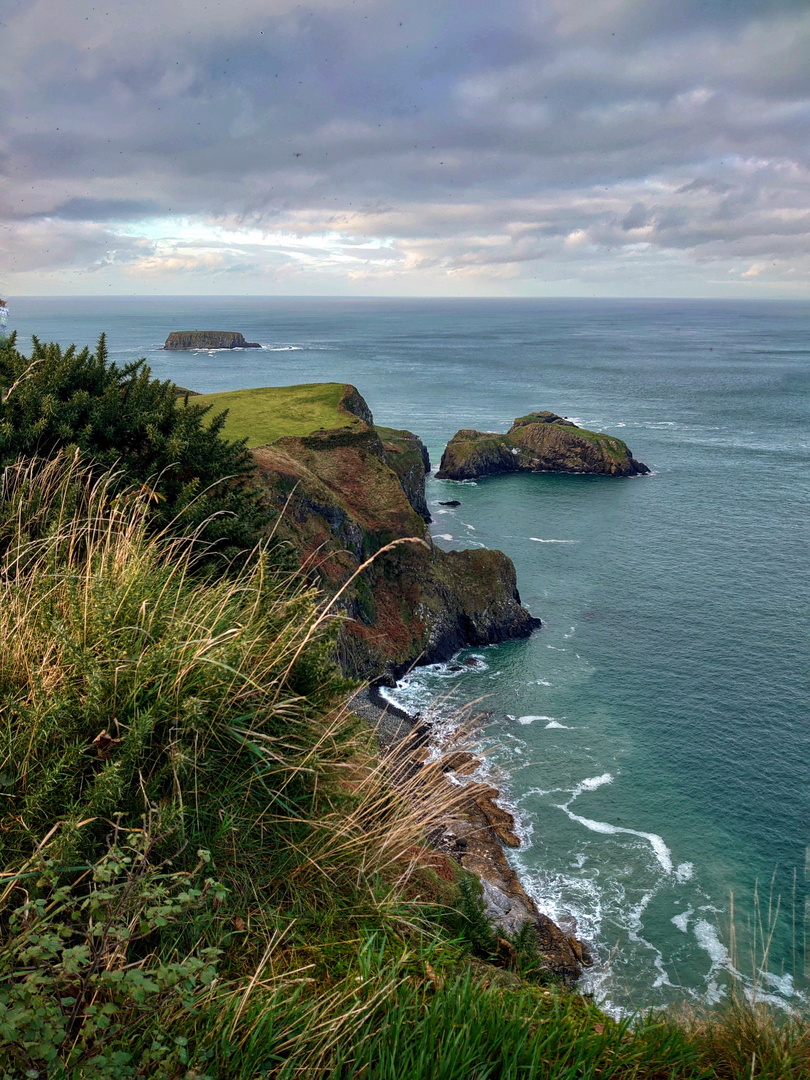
[122, 417]
[77, 975]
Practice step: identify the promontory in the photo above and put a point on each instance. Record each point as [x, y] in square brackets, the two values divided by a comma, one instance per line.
[208, 339]
[537, 442]
[344, 487]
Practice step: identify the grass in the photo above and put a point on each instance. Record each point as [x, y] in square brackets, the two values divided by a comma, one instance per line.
[265, 414]
[611, 443]
[208, 871]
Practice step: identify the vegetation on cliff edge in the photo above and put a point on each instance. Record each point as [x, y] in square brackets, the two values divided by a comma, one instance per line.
[264, 414]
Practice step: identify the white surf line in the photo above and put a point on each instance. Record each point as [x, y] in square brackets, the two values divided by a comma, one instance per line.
[540, 540]
[656, 842]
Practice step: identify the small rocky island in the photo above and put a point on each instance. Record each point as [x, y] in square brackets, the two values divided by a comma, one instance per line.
[208, 339]
[537, 442]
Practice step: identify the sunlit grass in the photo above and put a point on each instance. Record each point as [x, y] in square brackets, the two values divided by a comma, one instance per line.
[270, 412]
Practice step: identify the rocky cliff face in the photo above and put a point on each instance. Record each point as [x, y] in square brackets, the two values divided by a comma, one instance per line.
[346, 493]
[208, 339]
[538, 442]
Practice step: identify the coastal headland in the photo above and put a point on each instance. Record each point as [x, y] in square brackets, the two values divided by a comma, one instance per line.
[537, 442]
[344, 488]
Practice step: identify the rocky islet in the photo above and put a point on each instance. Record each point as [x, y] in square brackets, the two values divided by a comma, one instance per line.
[207, 339]
[537, 442]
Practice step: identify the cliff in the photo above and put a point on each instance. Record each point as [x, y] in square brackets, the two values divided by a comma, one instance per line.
[208, 339]
[537, 442]
[343, 494]
[343, 488]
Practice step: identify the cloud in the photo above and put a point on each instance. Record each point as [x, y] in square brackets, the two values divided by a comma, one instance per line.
[77, 209]
[438, 146]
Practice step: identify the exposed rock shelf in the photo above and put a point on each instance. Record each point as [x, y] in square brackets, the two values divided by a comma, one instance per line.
[537, 442]
[208, 339]
[468, 826]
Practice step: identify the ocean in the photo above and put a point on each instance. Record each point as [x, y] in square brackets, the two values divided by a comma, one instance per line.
[653, 738]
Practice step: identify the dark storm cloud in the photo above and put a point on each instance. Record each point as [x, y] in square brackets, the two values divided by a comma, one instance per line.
[456, 136]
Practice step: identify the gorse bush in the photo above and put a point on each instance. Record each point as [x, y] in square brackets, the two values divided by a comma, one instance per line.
[122, 417]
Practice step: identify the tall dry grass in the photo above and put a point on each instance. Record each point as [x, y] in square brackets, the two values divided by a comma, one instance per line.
[207, 870]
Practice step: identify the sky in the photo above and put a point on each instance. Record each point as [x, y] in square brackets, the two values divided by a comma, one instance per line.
[427, 148]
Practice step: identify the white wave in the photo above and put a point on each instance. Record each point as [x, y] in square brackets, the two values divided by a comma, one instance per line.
[591, 784]
[543, 682]
[283, 348]
[685, 872]
[782, 984]
[540, 540]
[660, 849]
[531, 719]
[556, 724]
[709, 940]
[656, 842]
[570, 633]
[443, 536]
[682, 920]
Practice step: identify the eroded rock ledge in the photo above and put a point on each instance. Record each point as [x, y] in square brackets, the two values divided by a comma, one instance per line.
[465, 823]
[537, 442]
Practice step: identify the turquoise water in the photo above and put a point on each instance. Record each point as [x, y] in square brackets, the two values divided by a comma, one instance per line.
[654, 736]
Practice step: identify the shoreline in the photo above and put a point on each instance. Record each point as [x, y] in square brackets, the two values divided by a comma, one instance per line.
[474, 831]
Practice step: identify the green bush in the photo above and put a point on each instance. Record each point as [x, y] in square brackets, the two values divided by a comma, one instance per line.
[77, 970]
[121, 417]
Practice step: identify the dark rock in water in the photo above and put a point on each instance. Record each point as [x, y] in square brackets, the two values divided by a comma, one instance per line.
[208, 339]
[450, 502]
[537, 442]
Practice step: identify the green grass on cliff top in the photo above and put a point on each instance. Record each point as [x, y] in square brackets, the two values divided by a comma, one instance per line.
[269, 412]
